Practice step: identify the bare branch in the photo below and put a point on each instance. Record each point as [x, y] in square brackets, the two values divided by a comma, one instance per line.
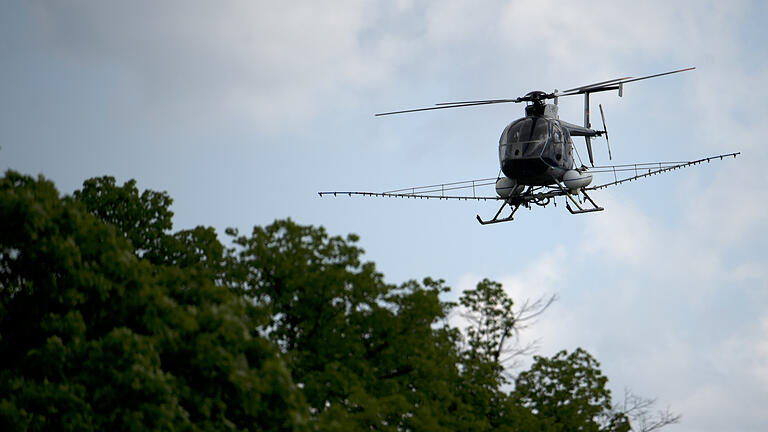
[638, 409]
[531, 310]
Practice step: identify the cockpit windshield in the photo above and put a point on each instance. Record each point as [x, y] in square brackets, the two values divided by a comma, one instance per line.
[531, 129]
[524, 138]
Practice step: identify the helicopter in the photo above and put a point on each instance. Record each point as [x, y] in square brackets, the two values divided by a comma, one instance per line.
[536, 157]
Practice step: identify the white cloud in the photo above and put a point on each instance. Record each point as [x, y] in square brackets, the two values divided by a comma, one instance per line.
[724, 384]
[454, 21]
[760, 353]
[280, 63]
[731, 209]
[268, 62]
[604, 30]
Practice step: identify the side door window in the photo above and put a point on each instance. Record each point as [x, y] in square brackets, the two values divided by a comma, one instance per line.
[557, 142]
[568, 142]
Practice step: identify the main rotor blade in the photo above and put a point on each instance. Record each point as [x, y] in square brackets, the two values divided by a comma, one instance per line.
[444, 106]
[658, 75]
[611, 84]
[479, 102]
[602, 83]
[614, 84]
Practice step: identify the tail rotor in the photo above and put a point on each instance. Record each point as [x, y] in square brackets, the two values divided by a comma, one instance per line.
[605, 132]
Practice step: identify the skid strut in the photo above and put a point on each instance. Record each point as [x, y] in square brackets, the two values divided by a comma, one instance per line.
[570, 197]
[515, 206]
[580, 210]
[496, 217]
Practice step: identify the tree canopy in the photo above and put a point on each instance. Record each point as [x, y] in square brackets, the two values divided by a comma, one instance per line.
[94, 338]
[109, 320]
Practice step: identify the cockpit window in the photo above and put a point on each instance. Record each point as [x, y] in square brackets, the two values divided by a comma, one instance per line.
[533, 129]
[522, 138]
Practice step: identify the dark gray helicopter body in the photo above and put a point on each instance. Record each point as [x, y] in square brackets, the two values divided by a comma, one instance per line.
[537, 150]
[534, 150]
[536, 156]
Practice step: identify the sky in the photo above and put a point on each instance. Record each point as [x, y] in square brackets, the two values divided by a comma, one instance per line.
[243, 110]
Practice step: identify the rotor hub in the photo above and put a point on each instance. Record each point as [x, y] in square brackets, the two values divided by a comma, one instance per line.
[536, 96]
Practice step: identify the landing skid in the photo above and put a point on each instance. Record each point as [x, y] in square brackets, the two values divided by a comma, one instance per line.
[569, 196]
[543, 199]
[496, 217]
[594, 208]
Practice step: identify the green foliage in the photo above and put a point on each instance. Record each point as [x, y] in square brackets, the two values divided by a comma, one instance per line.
[568, 392]
[109, 321]
[490, 310]
[92, 338]
[368, 354]
[143, 218]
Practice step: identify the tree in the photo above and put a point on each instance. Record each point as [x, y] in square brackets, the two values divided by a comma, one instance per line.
[568, 392]
[94, 338]
[143, 218]
[493, 333]
[369, 355]
[492, 321]
[492, 339]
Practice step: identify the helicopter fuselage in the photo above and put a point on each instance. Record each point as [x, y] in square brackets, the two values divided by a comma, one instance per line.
[536, 150]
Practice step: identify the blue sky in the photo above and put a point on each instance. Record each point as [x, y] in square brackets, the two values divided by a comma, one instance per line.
[243, 110]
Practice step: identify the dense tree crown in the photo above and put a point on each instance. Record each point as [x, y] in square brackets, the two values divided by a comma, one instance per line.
[111, 321]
